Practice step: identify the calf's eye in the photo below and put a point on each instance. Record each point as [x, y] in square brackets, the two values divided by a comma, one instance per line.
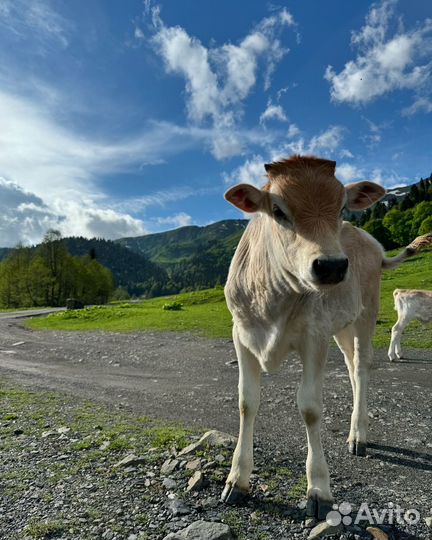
[278, 214]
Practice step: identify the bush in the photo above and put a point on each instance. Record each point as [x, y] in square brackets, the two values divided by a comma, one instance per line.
[173, 306]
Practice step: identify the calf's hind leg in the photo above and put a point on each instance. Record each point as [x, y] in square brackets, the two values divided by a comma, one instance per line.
[363, 356]
[346, 341]
[396, 334]
[237, 484]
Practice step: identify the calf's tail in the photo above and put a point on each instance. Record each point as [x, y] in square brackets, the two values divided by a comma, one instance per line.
[416, 245]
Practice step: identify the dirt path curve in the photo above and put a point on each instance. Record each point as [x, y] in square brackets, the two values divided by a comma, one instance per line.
[186, 378]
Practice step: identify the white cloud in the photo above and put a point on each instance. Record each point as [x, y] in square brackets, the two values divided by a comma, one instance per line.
[178, 220]
[293, 131]
[420, 104]
[328, 141]
[34, 21]
[348, 172]
[219, 79]
[273, 112]
[250, 172]
[384, 62]
[138, 33]
[25, 217]
[345, 153]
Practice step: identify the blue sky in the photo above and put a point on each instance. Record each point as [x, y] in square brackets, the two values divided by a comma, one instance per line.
[123, 118]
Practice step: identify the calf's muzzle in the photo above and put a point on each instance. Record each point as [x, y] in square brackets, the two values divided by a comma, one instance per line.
[329, 271]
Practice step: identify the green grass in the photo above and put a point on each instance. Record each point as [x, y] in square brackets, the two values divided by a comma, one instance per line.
[205, 312]
[45, 529]
[415, 273]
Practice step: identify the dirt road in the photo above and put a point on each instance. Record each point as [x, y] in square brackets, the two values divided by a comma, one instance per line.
[191, 379]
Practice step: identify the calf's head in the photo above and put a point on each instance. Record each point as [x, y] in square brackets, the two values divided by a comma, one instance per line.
[301, 207]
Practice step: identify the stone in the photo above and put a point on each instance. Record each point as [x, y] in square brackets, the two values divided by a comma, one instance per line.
[310, 523]
[169, 466]
[202, 530]
[105, 445]
[196, 482]
[194, 464]
[212, 438]
[324, 529]
[46, 434]
[130, 461]
[169, 483]
[376, 533]
[178, 508]
[63, 429]
[428, 521]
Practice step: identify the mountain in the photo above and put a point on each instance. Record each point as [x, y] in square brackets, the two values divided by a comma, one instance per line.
[4, 252]
[132, 271]
[171, 247]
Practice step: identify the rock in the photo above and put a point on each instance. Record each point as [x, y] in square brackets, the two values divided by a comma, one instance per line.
[105, 445]
[324, 529]
[310, 523]
[178, 508]
[196, 482]
[63, 429]
[428, 521]
[18, 431]
[46, 434]
[376, 533]
[194, 464]
[202, 530]
[169, 466]
[210, 438]
[169, 483]
[130, 461]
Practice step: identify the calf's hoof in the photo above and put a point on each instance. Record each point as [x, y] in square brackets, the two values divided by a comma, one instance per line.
[233, 494]
[318, 508]
[357, 448]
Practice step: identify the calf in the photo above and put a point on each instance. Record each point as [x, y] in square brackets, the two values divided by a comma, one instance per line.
[410, 305]
[300, 275]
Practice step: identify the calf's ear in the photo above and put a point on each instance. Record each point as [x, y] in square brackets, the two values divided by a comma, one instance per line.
[361, 195]
[246, 197]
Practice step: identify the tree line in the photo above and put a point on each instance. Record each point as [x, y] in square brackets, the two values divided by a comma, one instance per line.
[48, 275]
[396, 223]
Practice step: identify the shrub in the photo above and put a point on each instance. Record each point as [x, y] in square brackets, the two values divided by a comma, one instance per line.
[173, 306]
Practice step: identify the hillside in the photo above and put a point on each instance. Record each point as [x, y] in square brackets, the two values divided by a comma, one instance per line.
[132, 271]
[171, 247]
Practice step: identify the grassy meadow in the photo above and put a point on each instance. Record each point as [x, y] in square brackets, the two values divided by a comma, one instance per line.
[205, 312]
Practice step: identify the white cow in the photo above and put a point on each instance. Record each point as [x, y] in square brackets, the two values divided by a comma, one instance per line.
[300, 275]
[410, 304]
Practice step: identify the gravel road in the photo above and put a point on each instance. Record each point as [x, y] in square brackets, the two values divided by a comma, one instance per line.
[191, 379]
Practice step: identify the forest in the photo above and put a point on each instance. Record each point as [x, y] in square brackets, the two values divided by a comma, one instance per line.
[48, 275]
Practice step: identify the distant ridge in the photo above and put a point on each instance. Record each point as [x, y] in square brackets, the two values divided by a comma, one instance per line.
[171, 247]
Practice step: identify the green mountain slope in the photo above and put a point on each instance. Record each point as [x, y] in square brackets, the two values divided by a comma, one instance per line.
[131, 270]
[171, 247]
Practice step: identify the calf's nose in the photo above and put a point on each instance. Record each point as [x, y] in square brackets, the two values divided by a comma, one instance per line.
[330, 271]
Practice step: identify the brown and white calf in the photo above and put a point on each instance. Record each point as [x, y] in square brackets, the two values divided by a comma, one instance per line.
[300, 275]
[410, 304]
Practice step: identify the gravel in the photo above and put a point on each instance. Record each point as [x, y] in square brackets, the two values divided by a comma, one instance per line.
[60, 481]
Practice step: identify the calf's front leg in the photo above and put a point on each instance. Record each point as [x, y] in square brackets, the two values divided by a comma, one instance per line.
[309, 400]
[237, 484]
